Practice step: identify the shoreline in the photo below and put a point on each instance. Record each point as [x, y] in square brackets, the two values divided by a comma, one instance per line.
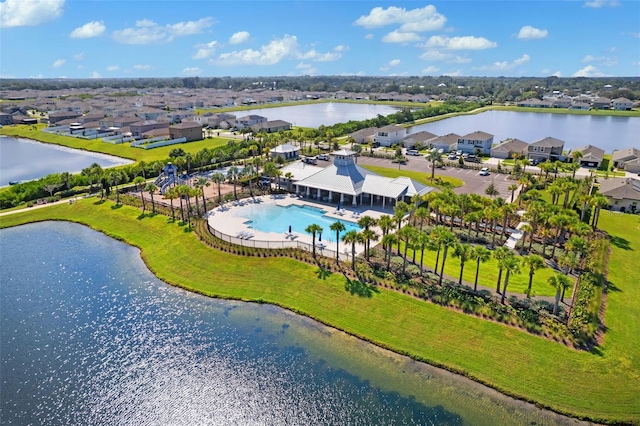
[173, 276]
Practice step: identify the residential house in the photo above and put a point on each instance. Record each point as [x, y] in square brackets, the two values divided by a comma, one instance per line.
[592, 156]
[249, 120]
[509, 147]
[601, 103]
[271, 126]
[5, 119]
[621, 104]
[389, 135]
[632, 166]
[534, 103]
[477, 141]
[623, 194]
[561, 102]
[137, 129]
[445, 143]
[545, 149]
[115, 123]
[363, 135]
[622, 156]
[190, 130]
[286, 150]
[55, 117]
[148, 113]
[581, 103]
[418, 139]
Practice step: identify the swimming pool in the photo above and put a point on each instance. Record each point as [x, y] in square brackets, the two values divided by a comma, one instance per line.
[275, 218]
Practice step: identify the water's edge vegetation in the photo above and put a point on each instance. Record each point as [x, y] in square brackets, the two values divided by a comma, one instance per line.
[580, 384]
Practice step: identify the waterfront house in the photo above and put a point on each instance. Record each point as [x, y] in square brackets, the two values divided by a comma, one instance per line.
[417, 139]
[249, 120]
[581, 103]
[561, 103]
[363, 135]
[271, 126]
[601, 103]
[508, 148]
[623, 194]
[622, 156]
[389, 135]
[445, 143]
[545, 149]
[621, 104]
[480, 141]
[57, 116]
[137, 129]
[592, 156]
[534, 103]
[5, 119]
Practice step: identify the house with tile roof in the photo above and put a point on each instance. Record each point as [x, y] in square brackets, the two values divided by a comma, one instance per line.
[545, 149]
[623, 194]
[477, 140]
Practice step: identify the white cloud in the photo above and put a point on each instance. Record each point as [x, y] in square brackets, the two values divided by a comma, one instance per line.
[341, 48]
[95, 74]
[205, 50]
[89, 30]
[606, 61]
[557, 74]
[29, 13]
[348, 74]
[368, 36]
[460, 43]
[635, 34]
[506, 65]
[435, 55]
[396, 36]
[530, 33]
[455, 73]
[113, 68]
[430, 70]
[142, 67]
[59, 63]
[149, 32]
[394, 62]
[239, 37]
[588, 71]
[78, 56]
[192, 71]
[601, 3]
[307, 69]
[275, 51]
[415, 20]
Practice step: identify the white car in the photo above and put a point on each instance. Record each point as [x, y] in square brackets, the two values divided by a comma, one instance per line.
[484, 172]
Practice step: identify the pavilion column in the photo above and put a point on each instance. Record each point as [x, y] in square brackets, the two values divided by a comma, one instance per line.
[297, 189]
[330, 196]
[371, 199]
[354, 200]
[318, 195]
[383, 201]
[341, 198]
[308, 192]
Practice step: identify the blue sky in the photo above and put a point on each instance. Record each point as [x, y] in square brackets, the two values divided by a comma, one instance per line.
[144, 38]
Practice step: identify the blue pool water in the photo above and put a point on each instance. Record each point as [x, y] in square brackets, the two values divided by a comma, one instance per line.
[274, 218]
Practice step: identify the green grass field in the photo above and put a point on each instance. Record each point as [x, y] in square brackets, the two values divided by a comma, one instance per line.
[122, 150]
[603, 385]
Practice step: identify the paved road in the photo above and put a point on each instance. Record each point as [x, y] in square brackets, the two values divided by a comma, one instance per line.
[473, 183]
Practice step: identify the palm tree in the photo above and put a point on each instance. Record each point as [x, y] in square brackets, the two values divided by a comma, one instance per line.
[464, 252]
[406, 235]
[368, 235]
[366, 222]
[218, 178]
[399, 211]
[352, 237]
[598, 202]
[201, 183]
[507, 211]
[421, 214]
[313, 229]
[338, 227]
[139, 183]
[248, 172]
[115, 177]
[171, 194]
[385, 222]
[436, 237]
[232, 175]
[560, 282]
[480, 254]
[533, 262]
[422, 241]
[387, 242]
[435, 157]
[512, 188]
[151, 189]
[500, 254]
[448, 239]
[512, 266]
[526, 229]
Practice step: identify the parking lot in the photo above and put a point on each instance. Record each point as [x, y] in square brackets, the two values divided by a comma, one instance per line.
[473, 183]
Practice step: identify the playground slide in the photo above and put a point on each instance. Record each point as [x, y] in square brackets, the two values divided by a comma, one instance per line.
[164, 187]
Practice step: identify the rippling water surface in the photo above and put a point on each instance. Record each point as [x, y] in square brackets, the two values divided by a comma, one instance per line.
[89, 336]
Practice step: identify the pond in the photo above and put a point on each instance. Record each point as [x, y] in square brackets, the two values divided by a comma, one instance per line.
[606, 132]
[24, 159]
[89, 336]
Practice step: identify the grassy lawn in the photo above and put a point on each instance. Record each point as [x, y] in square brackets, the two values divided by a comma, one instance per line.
[424, 178]
[122, 150]
[602, 385]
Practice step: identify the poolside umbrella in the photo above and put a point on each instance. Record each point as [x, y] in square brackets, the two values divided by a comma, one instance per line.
[320, 238]
[289, 228]
[338, 205]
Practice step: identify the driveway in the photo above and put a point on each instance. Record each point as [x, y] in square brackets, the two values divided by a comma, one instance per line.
[473, 183]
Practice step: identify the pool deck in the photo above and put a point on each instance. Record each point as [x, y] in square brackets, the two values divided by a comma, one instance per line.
[223, 219]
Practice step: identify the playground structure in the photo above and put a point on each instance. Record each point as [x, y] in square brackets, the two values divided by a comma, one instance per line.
[169, 177]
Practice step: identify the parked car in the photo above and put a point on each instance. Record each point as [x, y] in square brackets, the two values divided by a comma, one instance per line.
[310, 160]
[375, 144]
[413, 152]
[324, 157]
[452, 156]
[484, 172]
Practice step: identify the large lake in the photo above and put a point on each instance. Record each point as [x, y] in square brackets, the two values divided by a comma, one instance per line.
[24, 159]
[89, 336]
[316, 115]
[606, 132]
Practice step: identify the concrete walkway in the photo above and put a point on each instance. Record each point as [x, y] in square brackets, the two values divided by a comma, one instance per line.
[517, 234]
